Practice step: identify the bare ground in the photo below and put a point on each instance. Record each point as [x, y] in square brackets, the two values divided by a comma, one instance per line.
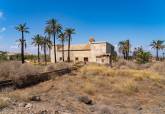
[121, 94]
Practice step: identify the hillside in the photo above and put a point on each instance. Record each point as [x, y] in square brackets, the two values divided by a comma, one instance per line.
[93, 89]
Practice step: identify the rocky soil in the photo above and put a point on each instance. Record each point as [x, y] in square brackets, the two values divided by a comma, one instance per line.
[78, 94]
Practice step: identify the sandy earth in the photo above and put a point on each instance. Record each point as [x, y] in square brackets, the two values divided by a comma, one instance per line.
[61, 96]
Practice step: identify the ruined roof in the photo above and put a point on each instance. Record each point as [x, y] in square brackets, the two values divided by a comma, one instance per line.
[104, 55]
[79, 47]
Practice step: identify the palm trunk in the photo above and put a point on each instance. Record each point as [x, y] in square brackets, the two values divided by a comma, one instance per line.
[69, 49]
[127, 55]
[128, 50]
[63, 50]
[55, 60]
[49, 48]
[38, 53]
[124, 55]
[157, 54]
[45, 54]
[22, 48]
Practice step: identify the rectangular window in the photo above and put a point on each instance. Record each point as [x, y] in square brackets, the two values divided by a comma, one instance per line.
[60, 58]
[85, 59]
[76, 59]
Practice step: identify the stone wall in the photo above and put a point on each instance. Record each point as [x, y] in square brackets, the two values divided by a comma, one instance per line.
[73, 55]
[96, 49]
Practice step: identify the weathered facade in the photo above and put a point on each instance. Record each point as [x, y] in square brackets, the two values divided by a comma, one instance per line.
[98, 52]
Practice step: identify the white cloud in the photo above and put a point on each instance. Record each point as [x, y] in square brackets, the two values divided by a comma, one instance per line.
[1, 14]
[3, 29]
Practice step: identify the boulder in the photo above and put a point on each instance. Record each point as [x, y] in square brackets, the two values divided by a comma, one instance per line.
[28, 106]
[86, 100]
[35, 98]
[43, 112]
[22, 104]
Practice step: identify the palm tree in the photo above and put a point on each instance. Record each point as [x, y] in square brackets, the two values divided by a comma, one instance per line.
[56, 29]
[157, 44]
[23, 29]
[128, 48]
[124, 48]
[68, 33]
[20, 41]
[45, 43]
[48, 31]
[62, 39]
[121, 48]
[37, 40]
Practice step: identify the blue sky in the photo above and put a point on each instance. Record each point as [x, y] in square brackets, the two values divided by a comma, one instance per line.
[141, 21]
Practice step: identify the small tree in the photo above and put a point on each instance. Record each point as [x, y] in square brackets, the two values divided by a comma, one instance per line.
[142, 56]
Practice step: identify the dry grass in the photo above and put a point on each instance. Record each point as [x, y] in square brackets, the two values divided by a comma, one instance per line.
[27, 74]
[109, 87]
[105, 85]
[89, 88]
[94, 69]
[57, 66]
[158, 67]
[11, 70]
[7, 69]
[4, 102]
[125, 64]
[25, 94]
[120, 80]
[128, 87]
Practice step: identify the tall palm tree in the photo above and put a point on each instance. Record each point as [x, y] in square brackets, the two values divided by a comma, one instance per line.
[128, 48]
[20, 41]
[45, 43]
[48, 31]
[124, 48]
[56, 29]
[157, 44]
[68, 33]
[37, 40]
[62, 39]
[23, 29]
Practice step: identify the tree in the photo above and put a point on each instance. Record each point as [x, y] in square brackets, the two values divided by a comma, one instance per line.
[124, 48]
[142, 56]
[37, 41]
[56, 28]
[62, 39]
[45, 43]
[68, 33]
[23, 29]
[157, 44]
[48, 31]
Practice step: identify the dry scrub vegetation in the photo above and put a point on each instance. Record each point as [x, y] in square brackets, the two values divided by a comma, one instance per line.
[126, 80]
[121, 89]
[14, 69]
